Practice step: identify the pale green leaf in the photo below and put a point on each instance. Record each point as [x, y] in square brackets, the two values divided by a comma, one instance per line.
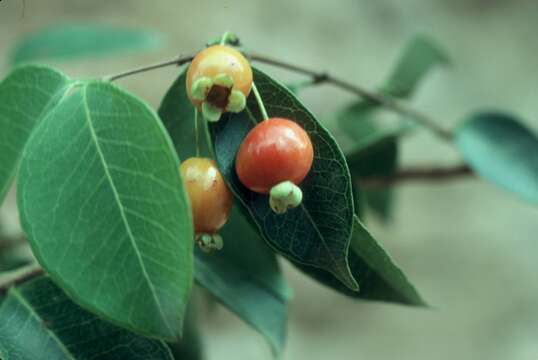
[103, 205]
[74, 41]
[26, 96]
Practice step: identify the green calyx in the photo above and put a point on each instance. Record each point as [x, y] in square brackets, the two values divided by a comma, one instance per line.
[284, 196]
[217, 96]
[211, 113]
[209, 242]
[236, 102]
[200, 88]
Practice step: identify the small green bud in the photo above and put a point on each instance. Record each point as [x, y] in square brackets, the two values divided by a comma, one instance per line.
[236, 102]
[211, 113]
[201, 87]
[284, 196]
[210, 242]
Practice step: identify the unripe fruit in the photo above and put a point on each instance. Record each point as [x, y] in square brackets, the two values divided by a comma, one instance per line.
[211, 201]
[219, 79]
[274, 158]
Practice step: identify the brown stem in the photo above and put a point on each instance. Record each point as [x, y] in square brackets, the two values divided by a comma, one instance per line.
[178, 61]
[16, 277]
[317, 78]
[386, 101]
[415, 174]
[9, 242]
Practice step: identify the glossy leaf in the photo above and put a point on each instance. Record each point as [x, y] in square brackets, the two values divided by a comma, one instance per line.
[244, 276]
[73, 41]
[39, 322]
[104, 208]
[502, 150]
[316, 233]
[26, 94]
[378, 276]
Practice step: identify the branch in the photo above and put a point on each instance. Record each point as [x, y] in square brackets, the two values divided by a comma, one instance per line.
[377, 98]
[9, 242]
[416, 174]
[178, 61]
[317, 78]
[18, 276]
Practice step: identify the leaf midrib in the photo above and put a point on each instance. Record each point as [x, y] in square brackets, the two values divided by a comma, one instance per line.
[121, 209]
[342, 271]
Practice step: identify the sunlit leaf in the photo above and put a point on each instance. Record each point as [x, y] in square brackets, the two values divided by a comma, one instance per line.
[27, 94]
[104, 208]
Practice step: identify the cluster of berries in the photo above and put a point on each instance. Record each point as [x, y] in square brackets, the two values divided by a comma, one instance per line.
[274, 158]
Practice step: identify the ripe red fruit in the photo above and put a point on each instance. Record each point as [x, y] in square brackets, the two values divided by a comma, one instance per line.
[274, 152]
[210, 199]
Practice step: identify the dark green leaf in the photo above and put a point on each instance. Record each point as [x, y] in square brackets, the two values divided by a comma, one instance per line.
[420, 56]
[104, 208]
[378, 277]
[501, 149]
[177, 115]
[190, 346]
[244, 276]
[379, 160]
[38, 322]
[26, 95]
[72, 41]
[14, 256]
[359, 122]
[318, 232]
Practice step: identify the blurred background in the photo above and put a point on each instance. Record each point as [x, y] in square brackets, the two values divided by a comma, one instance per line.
[468, 247]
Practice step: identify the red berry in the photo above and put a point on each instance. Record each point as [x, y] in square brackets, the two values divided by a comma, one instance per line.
[274, 151]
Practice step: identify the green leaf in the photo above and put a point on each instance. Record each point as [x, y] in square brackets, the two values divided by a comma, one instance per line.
[38, 321]
[177, 115]
[502, 150]
[74, 41]
[246, 278]
[103, 205]
[317, 233]
[26, 95]
[378, 277]
[190, 346]
[380, 159]
[419, 57]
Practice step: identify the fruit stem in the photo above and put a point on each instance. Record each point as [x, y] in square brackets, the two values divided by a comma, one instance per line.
[225, 37]
[196, 132]
[259, 100]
